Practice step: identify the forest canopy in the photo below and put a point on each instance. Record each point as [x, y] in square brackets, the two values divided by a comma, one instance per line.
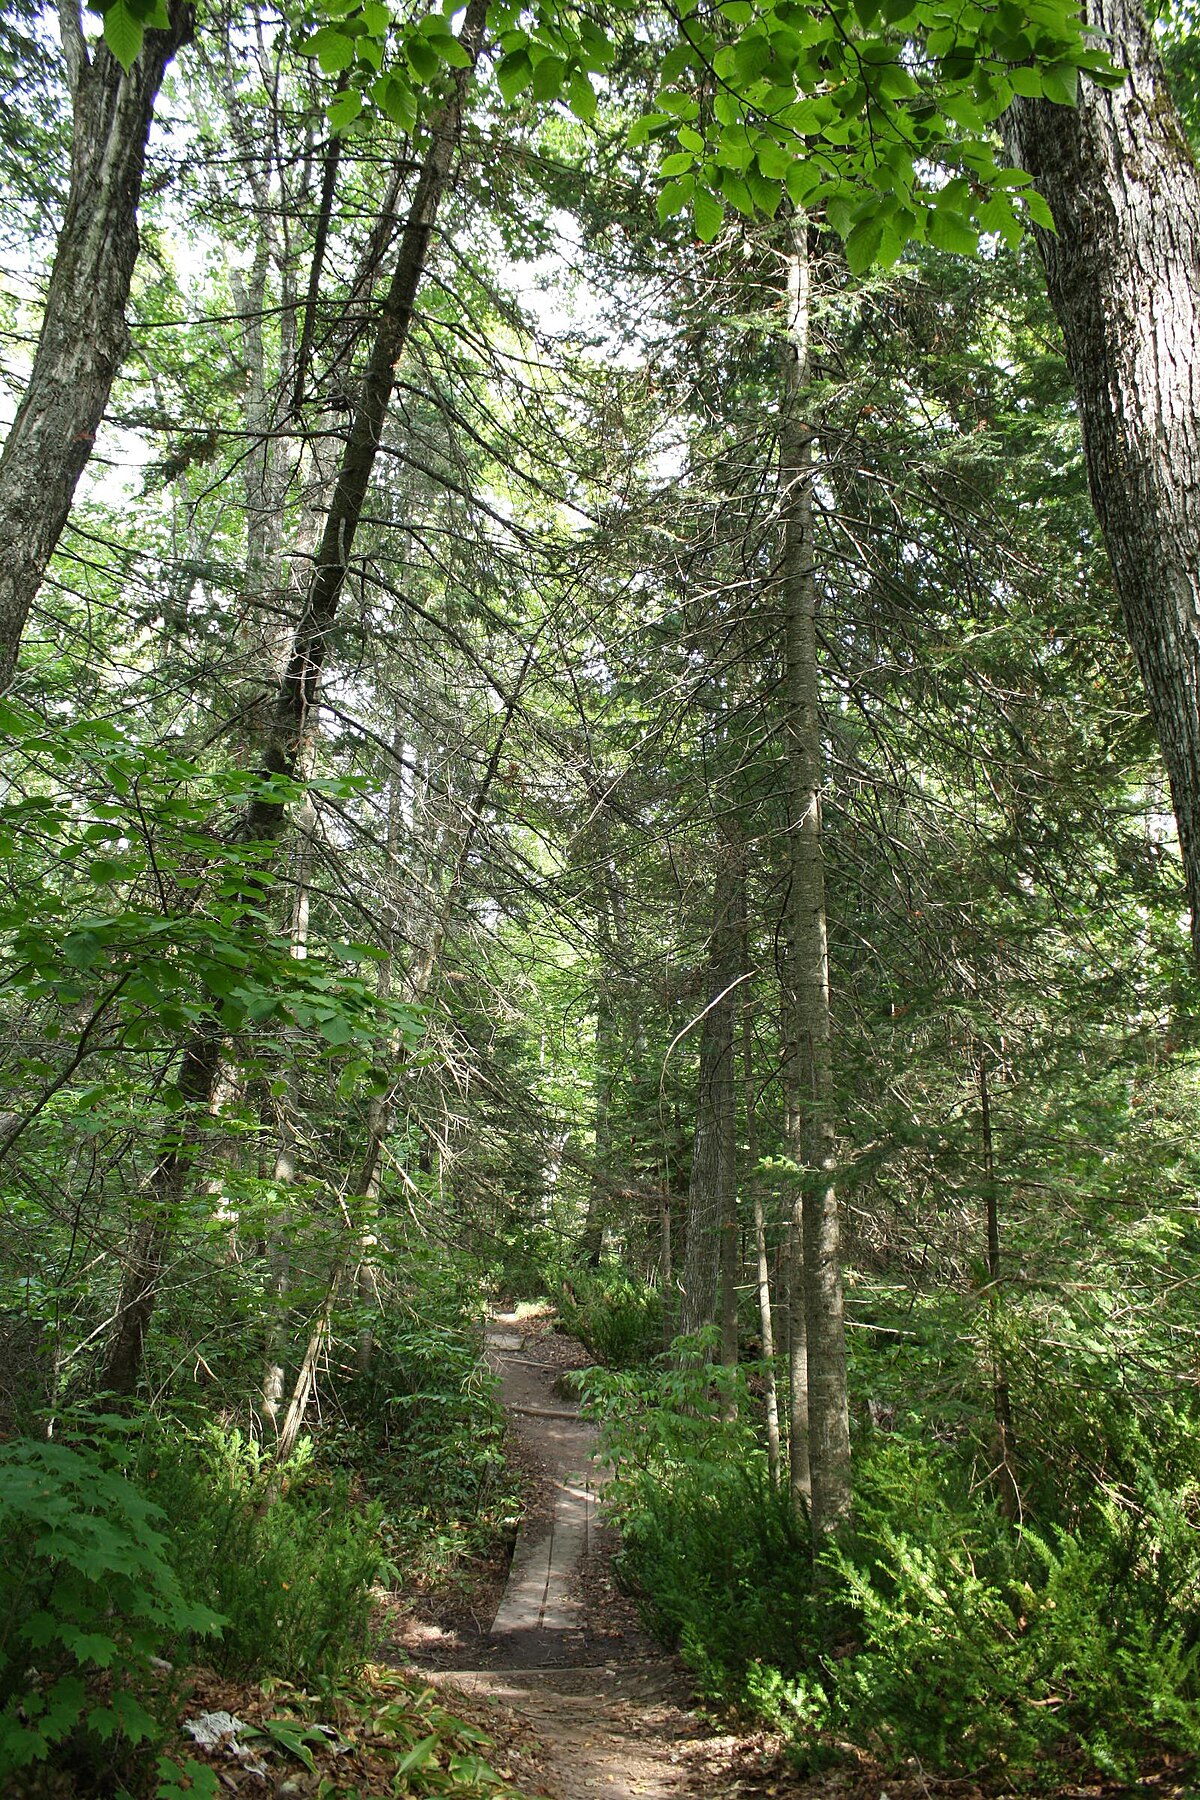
[599, 704]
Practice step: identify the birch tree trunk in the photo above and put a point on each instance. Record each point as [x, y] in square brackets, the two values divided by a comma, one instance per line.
[1123, 274]
[816, 1152]
[84, 336]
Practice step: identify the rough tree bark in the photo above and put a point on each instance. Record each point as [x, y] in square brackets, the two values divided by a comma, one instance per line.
[816, 1151]
[264, 818]
[84, 335]
[1123, 274]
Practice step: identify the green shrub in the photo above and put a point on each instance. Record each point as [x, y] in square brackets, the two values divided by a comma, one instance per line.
[88, 1600]
[617, 1319]
[979, 1644]
[941, 1631]
[423, 1424]
[721, 1562]
[286, 1557]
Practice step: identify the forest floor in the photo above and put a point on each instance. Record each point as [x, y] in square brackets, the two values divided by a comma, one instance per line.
[555, 1664]
[544, 1654]
[547, 1654]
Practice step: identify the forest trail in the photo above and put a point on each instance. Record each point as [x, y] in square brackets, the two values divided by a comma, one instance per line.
[564, 1659]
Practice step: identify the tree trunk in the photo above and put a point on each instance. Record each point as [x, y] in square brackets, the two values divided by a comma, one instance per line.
[816, 1153]
[710, 1189]
[1123, 274]
[153, 1232]
[792, 1285]
[762, 1264]
[1004, 1473]
[607, 1043]
[299, 688]
[84, 335]
[265, 817]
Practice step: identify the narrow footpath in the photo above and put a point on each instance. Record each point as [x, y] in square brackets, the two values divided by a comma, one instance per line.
[564, 1658]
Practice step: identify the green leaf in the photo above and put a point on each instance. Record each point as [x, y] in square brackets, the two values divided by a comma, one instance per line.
[513, 74]
[423, 58]
[105, 869]
[1060, 83]
[801, 179]
[737, 193]
[332, 49]
[345, 108]
[675, 62]
[396, 100]
[123, 33]
[766, 193]
[678, 164]
[548, 77]
[950, 231]
[1039, 210]
[449, 50]
[773, 159]
[674, 197]
[336, 1030]
[863, 244]
[838, 212]
[376, 18]
[82, 949]
[1026, 82]
[581, 96]
[996, 214]
[420, 1756]
[707, 213]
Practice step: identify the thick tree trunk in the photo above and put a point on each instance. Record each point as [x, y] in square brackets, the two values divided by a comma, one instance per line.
[84, 335]
[1123, 273]
[816, 1153]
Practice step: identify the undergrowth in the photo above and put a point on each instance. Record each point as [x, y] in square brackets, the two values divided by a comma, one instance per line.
[939, 1630]
[143, 1545]
[618, 1320]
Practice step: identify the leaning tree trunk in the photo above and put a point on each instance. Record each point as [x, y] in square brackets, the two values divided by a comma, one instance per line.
[816, 1152]
[301, 681]
[84, 335]
[1123, 274]
[264, 818]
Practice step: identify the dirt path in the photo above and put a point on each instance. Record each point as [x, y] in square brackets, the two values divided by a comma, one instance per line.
[563, 1657]
[579, 1702]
